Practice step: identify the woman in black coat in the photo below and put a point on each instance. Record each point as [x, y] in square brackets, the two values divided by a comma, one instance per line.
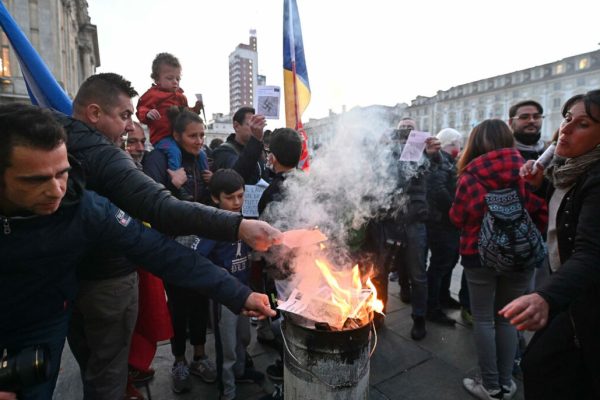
[563, 358]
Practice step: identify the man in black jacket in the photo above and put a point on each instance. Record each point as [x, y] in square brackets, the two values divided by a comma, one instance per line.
[243, 151]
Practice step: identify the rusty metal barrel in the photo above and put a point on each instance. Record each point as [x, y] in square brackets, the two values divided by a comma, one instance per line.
[326, 365]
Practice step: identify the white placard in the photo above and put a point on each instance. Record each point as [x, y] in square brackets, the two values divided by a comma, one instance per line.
[252, 194]
[267, 101]
[415, 144]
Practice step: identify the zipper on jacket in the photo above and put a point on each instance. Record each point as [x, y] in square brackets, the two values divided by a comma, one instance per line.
[6, 226]
[575, 338]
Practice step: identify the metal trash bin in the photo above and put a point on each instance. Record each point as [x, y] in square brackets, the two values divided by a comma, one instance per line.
[326, 365]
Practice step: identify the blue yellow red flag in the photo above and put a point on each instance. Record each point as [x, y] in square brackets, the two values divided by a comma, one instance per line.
[295, 74]
[43, 88]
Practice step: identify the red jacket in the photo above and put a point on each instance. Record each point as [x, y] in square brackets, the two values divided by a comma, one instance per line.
[497, 169]
[160, 100]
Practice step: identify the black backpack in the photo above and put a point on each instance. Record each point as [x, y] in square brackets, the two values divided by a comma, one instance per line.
[508, 239]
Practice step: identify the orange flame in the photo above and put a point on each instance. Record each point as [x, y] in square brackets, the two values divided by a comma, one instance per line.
[376, 304]
[349, 301]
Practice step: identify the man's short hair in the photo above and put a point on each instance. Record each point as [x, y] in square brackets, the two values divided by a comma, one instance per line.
[286, 146]
[28, 126]
[103, 89]
[225, 181]
[163, 59]
[513, 109]
[241, 114]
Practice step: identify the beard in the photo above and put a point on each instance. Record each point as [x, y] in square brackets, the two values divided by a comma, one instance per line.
[527, 138]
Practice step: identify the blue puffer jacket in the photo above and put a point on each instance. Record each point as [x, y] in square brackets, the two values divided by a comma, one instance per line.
[39, 255]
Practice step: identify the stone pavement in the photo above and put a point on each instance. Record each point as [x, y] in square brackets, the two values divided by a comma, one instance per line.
[401, 369]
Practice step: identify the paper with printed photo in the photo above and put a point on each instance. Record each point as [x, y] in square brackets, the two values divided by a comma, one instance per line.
[267, 101]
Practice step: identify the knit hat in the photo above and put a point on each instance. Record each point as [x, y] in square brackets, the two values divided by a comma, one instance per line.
[448, 136]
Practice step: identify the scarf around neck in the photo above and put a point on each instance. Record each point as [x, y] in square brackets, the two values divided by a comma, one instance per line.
[563, 172]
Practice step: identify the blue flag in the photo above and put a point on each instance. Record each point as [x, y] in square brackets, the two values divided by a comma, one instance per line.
[43, 88]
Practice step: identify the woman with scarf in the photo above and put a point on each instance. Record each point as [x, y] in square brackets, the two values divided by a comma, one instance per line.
[562, 360]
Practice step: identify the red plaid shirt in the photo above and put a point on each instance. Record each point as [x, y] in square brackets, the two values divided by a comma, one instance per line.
[497, 169]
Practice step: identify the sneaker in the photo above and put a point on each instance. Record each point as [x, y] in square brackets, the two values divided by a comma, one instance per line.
[466, 316]
[438, 316]
[509, 391]
[276, 395]
[131, 392]
[475, 387]
[180, 373]
[393, 276]
[205, 368]
[450, 303]
[250, 376]
[418, 331]
[275, 371]
[140, 376]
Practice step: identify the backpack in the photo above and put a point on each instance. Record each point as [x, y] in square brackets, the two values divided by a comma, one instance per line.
[509, 240]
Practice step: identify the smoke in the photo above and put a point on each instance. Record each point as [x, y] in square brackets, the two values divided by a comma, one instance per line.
[353, 179]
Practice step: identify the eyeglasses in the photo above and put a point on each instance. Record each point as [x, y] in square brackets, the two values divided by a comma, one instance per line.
[527, 117]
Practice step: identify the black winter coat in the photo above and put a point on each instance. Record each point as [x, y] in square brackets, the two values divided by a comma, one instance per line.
[111, 172]
[441, 187]
[248, 160]
[575, 287]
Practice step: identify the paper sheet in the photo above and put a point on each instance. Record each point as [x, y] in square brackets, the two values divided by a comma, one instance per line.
[267, 101]
[415, 144]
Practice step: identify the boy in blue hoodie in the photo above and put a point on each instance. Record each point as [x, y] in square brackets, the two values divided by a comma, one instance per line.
[232, 332]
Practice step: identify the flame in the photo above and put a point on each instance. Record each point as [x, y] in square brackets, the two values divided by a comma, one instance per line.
[350, 301]
[376, 304]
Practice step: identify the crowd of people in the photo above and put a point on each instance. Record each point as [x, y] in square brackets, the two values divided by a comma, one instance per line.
[116, 248]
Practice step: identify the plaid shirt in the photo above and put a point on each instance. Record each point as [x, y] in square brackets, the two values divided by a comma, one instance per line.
[497, 169]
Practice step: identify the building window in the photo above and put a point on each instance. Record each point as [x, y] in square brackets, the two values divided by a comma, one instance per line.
[559, 69]
[4, 56]
[584, 63]
[556, 102]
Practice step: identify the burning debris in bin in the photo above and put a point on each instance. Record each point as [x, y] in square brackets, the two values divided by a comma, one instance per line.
[342, 303]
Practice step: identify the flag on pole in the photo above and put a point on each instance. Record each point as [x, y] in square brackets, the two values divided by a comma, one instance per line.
[295, 75]
[43, 88]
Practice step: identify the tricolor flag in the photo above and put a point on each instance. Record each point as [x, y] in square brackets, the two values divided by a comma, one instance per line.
[295, 75]
[41, 84]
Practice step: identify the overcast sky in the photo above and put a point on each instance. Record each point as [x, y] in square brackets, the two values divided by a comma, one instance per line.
[357, 52]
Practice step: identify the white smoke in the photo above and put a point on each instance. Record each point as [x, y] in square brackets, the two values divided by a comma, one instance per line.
[353, 179]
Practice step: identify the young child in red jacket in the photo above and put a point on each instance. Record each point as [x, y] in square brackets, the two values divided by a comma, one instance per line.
[153, 105]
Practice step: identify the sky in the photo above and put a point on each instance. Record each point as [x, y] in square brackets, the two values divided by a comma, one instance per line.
[358, 53]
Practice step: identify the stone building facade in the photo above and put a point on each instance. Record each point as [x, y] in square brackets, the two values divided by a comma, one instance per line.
[62, 34]
[462, 107]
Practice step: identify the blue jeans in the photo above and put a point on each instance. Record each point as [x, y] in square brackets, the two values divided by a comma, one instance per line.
[169, 147]
[52, 334]
[413, 257]
[443, 243]
[495, 337]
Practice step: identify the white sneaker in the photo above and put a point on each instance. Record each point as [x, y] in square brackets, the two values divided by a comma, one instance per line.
[509, 392]
[180, 374]
[475, 387]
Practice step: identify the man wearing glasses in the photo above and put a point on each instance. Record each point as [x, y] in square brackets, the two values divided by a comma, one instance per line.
[525, 120]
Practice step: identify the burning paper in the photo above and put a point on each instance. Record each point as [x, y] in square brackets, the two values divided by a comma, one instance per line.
[302, 237]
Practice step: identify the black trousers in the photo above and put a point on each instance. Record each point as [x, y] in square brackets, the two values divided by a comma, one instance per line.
[189, 309]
